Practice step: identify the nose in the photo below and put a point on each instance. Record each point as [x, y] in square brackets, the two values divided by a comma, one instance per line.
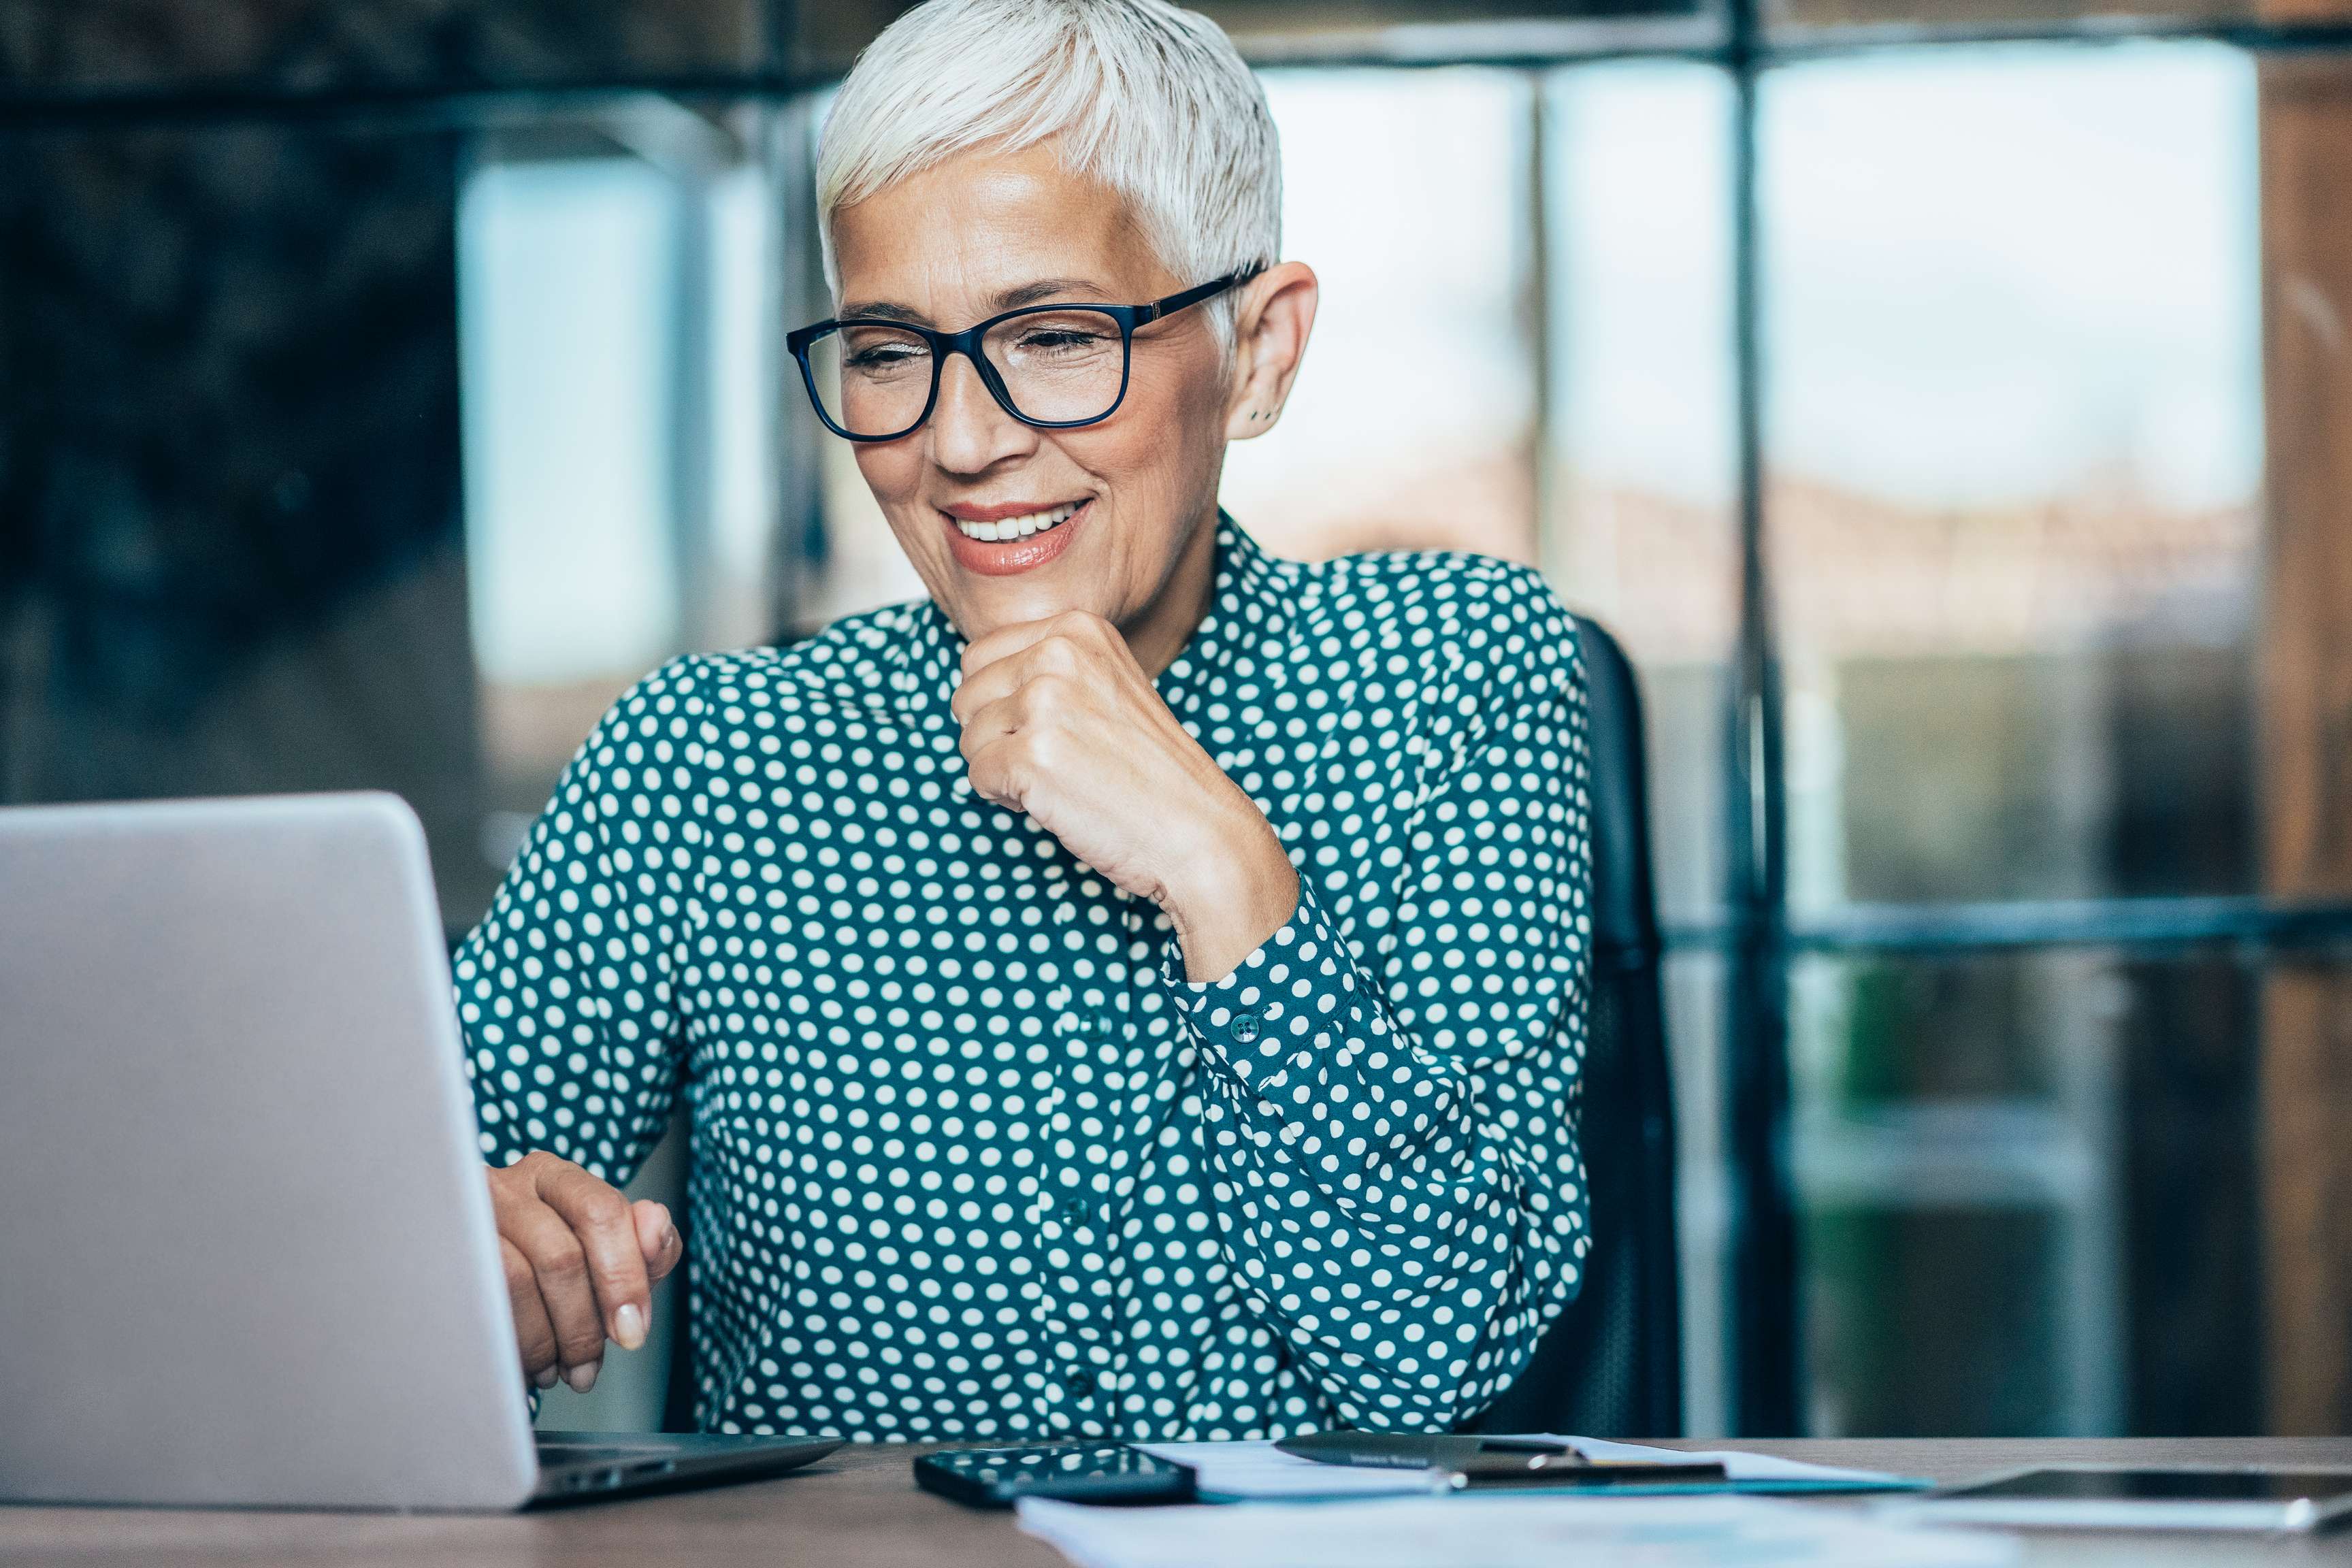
[969, 432]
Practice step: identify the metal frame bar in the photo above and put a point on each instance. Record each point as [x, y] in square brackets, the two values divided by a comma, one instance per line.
[1764, 1335]
[2253, 929]
[1706, 37]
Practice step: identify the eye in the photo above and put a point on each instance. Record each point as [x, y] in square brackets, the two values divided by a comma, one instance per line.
[1050, 339]
[877, 356]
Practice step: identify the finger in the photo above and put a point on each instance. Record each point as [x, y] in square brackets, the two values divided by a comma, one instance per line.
[1081, 627]
[1004, 770]
[658, 1238]
[989, 727]
[559, 1263]
[980, 687]
[599, 1215]
[1054, 653]
[534, 1335]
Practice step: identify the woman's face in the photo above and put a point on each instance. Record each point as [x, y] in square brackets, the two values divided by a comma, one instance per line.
[984, 232]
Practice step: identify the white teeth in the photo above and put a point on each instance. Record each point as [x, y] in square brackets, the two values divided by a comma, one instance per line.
[1017, 527]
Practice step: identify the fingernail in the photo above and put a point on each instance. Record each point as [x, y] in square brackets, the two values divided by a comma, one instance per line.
[546, 1377]
[629, 1326]
[669, 1237]
[584, 1378]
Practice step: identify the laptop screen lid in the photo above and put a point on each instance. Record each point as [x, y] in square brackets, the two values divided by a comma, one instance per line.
[250, 1253]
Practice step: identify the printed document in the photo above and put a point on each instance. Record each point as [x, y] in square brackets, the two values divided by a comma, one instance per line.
[1499, 1531]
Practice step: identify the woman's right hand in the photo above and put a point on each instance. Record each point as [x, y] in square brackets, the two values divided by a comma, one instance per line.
[581, 1263]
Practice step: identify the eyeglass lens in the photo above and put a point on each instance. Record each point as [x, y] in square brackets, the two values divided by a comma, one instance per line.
[1056, 366]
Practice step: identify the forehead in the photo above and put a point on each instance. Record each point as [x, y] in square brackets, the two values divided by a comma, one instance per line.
[948, 242]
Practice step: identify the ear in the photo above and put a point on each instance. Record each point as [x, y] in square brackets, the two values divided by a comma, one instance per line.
[1270, 327]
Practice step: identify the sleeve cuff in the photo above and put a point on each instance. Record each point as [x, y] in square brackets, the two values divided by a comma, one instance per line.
[1283, 1004]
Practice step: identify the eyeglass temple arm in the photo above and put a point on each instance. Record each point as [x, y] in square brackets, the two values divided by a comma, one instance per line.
[1191, 296]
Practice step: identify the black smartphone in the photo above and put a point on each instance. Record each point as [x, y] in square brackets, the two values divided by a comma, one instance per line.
[1074, 1472]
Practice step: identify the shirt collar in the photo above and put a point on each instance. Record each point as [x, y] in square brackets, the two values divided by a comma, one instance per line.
[1246, 603]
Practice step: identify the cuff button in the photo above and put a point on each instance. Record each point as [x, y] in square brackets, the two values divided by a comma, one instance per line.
[1246, 1028]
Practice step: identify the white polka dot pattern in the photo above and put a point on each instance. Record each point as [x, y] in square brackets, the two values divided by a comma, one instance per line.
[970, 1157]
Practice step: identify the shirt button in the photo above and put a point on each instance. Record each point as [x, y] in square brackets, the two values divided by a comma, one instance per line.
[1078, 1384]
[1246, 1028]
[1073, 1212]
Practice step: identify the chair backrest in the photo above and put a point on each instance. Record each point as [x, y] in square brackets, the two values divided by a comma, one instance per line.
[1611, 1365]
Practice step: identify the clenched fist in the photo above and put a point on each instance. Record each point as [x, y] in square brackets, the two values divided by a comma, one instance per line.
[1061, 724]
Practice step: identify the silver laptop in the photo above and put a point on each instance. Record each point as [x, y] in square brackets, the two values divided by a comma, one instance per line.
[246, 1254]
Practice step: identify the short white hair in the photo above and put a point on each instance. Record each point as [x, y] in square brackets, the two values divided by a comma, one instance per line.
[1151, 99]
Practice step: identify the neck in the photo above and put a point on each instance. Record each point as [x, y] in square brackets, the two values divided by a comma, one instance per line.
[1158, 633]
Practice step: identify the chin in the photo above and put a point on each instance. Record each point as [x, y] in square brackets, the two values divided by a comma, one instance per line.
[1000, 604]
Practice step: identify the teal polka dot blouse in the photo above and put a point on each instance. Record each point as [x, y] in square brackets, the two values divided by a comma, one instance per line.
[970, 1157]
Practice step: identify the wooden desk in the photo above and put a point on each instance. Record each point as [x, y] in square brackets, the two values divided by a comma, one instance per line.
[860, 1509]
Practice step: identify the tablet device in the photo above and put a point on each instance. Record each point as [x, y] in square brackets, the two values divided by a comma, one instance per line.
[2107, 1496]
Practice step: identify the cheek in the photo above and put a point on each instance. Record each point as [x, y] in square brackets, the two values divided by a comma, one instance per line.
[1170, 430]
[893, 470]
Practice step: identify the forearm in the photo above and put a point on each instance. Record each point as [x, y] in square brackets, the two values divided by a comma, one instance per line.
[1413, 1310]
[1406, 1220]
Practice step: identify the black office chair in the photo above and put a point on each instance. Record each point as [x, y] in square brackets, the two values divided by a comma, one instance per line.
[1611, 1365]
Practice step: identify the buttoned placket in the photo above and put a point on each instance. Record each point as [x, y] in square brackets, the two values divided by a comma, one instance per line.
[1063, 1218]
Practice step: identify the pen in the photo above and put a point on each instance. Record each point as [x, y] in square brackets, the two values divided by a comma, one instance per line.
[1477, 1461]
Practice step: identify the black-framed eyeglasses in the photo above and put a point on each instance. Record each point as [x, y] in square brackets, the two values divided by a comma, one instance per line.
[1052, 367]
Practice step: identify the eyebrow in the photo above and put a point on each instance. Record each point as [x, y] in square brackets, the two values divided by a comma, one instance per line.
[1044, 290]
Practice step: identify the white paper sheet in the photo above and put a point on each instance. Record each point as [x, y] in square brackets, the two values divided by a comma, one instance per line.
[1496, 1531]
[1737, 1466]
[1254, 1471]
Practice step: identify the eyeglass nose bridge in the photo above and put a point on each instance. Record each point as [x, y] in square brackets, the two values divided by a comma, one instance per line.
[945, 346]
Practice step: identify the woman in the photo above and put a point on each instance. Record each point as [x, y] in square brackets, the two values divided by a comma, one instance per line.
[1136, 992]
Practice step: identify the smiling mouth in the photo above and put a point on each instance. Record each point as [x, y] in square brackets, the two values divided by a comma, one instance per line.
[1005, 529]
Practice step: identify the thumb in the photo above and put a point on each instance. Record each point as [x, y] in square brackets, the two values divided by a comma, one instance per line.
[658, 1238]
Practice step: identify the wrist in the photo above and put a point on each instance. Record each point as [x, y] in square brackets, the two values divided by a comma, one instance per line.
[1228, 894]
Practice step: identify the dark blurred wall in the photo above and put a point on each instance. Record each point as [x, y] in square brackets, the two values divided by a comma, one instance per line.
[231, 548]
[228, 389]
[303, 47]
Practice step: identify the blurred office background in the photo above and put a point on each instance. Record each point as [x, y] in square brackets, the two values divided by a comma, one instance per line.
[1949, 403]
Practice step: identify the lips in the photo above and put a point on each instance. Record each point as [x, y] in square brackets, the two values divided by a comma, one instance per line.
[1017, 541]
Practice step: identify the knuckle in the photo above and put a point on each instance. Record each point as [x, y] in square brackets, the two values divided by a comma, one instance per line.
[565, 1263]
[539, 1167]
[1014, 776]
[521, 1282]
[536, 1339]
[1045, 695]
[1059, 653]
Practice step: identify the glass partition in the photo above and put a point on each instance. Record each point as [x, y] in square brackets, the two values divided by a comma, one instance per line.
[2014, 445]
